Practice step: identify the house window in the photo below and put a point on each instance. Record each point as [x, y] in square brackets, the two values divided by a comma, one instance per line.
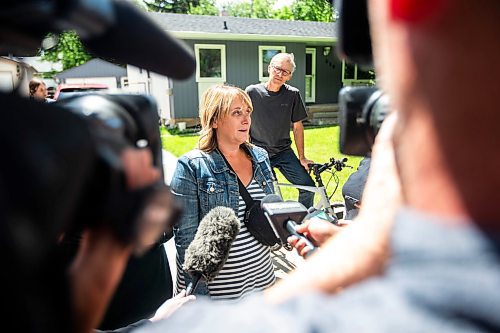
[310, 91]
[124, 82]
[352, 75]
[210, 62]
[265, 55]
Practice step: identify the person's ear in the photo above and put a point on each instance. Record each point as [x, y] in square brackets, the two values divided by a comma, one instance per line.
[415, 11]
[214, 124]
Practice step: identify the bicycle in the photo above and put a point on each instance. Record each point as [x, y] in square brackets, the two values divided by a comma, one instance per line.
[324, 204]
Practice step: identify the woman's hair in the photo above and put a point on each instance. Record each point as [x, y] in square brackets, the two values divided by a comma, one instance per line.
[214, 105]
[34, 84]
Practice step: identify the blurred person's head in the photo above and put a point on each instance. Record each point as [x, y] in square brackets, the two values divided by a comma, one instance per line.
[224, 114]
[38, 89]
[438, 62]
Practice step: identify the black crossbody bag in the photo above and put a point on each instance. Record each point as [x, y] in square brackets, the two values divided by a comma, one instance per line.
[254, 218]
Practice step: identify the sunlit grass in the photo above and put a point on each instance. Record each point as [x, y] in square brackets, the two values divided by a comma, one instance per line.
[321, 143]
[178, 144]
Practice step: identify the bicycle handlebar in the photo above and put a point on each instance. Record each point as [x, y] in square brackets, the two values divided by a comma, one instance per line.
[337, 164]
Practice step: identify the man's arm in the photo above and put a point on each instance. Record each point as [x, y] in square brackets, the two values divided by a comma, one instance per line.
[298, 136]
[357, 252]
[164, 311]
[361, 249]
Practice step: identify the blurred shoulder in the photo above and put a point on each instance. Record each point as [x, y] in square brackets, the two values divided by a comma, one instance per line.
[255, 87]
[291, 88]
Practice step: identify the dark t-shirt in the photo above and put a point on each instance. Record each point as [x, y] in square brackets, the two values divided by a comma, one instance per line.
[273, 112]
[145, 285]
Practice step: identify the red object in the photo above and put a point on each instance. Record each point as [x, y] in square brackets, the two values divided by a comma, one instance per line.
[415, 10]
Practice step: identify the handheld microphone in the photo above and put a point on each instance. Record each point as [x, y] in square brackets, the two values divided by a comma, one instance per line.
[209, 250]
[283, 216]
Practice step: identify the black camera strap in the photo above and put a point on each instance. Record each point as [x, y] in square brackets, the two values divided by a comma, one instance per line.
[242, 189]
[254, 218]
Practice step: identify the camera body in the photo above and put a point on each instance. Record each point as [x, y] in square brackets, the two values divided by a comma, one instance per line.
[97, 194]
[117, 122]
[67, 165]
[362, 109]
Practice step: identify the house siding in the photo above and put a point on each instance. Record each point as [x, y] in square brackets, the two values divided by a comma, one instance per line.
[185, 92]
[185, 99]
[242, 67]
[328, 77]
[242, 63]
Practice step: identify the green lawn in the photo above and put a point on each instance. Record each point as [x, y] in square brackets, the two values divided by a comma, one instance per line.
[321, 144]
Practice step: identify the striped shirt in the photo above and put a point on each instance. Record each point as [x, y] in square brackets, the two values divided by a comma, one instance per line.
[249, 266]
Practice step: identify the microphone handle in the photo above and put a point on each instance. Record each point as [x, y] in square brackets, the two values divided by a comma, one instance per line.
[290, 226]
[193, 284]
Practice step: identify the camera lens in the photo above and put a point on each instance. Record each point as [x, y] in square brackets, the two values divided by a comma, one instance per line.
[362, 111]
[375, 110]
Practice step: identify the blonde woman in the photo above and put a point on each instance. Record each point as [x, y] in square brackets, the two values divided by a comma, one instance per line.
[203, 180]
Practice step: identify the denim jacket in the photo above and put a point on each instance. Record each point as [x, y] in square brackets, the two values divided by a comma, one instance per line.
[203, 181]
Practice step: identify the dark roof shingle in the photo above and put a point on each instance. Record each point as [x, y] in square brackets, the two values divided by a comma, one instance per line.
[94, 68]
[248, 26]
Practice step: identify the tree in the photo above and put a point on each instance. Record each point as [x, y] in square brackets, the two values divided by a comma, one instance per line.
[171, 6]
[299, 10]
[205, 7]
[262, 9]
[284, 13]
[239, 9]
[312, 10]
[256, 9]
[69, 50]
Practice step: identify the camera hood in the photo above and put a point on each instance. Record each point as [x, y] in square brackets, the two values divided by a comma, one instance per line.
[108, 28]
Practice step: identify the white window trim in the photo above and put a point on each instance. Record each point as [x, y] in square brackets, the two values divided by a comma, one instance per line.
[355, 81]
[312, 51]
[267, 47]
[221, 47]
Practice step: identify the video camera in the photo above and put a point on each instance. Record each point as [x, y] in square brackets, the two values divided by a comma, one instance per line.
[116, 122]
[66, 173]
[362, 109]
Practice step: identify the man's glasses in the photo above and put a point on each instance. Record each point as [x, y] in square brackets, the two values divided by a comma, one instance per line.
[279, 70]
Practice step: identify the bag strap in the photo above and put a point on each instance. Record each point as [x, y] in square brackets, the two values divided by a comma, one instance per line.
[242, 189]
